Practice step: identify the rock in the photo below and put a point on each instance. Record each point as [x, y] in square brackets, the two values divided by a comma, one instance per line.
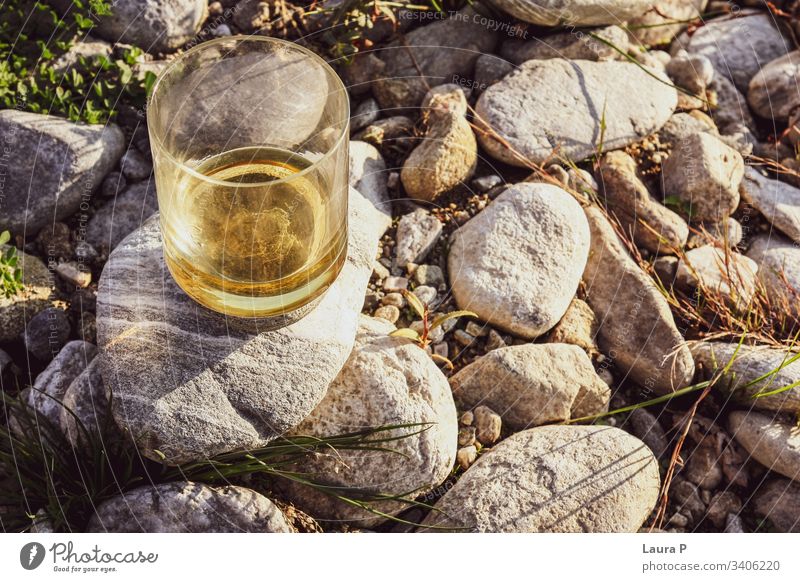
[665, 269]
[57, 164]
[368, 175]
[85, 398]
[417, 233]
[366, 113]
[726, 234]
[134, 166]
[430, 55]
[769, 440]
[579, 327]
[73, 274]
[466, 456]
[704, 174]
[723, 505]
[89, 48]
[772, 92]
[558, 103]
[728, 274]
[572, 45]
[555, 479]
[396, 131]
[778, 201]
[395, 284]
[659, 25]
[533, 384]
[637, 330]
[251, 15]
[731, 112]
[17, 310]
[386, 381]
[734, 524]
[219, 384]
[778, 262]
[388, 312]
[122, 215]
[693, 73]
[157, 26]
[630, 201]
[46, 333]
[779, 502]
[466, 435]
[186, 507]
[361, 73]
[489, 70]
[750, 364]
[737, 47]
[682, 125]
[53, 382]
[571, 14]
[485, 183]
[644, 425]
[430, 275]
[447, 97]
[517, 263]
[703, 467]
[445, 158]
[113, 184]
[488, 425]
[426, 294]
[686, 495]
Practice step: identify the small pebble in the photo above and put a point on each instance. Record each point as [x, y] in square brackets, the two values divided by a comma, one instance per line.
[467, 418]
[393, 180]
[379, 270]
[466, 436]
[85, 252]
[441, 349]
[46, 333]
[466, 456]
[5, 361]
[463, 338]
[486, 183]
[395, 299]
[425, 294]
[435, 335]
[371, 301]
[476, 329]
[461, 216]
[488, 425]
[87, 327]
[134, 166]
[72, 274]
[429, 275]
[679, 520]
[391, 284]
[222, 30]
[112, 184]
[494, 341]
[388, 312]
[215, 9]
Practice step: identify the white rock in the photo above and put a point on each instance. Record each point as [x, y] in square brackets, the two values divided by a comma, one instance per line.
[555, 479]
[517, 264]
[557, 103]
[778, 270]
[773, 92]
[769, 440]
[572, 13]
[729, 274]
[368, 175]
[778, 201]
[417, 233]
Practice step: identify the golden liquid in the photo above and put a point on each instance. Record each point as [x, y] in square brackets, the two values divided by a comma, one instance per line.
[256, 239]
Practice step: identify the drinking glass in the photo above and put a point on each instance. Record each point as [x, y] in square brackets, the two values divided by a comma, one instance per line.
[249, 141]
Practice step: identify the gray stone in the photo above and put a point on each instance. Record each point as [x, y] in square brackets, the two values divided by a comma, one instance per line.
[446, 156]
[52, 383]
[73, 274]
[417, 233]
[731, 112]
[739, 374]
[486, 183]
[431, 275]
[573, 13]
[46, 333]
[431, 55]
[779, 502]
[644, 425]
[368, 175]
[693, 73]
[57, 164]
[216, 383]
[769, 440]
[773, 91]
[778, 262]
[727, 234]
[134, 166]
[122, 215]
[89, 48]
[517, 263]
[659, 25]
[360, 74]
[637, 330]
[737, 47]
[17, 310]
[397, 130]
[630, 201]
[386, 381]
[186, 507]
[683, 124]
[388, 312]
[571, 45]
[488, 425]
[558, 103]
[555, 479]
[533, 384]
[704, 174]
[490, 69]
[728, 274]
[366, 113]
[578, 327]
[157, 26]
[778, 201]
[86, 399]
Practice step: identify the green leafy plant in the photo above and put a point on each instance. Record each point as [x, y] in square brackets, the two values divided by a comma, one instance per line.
[46, 479]
[32, 38]
[423, 339]
[10, 271]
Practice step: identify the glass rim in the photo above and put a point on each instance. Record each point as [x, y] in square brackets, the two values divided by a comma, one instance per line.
[344, 131]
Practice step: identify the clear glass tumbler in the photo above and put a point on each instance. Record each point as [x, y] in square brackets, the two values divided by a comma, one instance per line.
[250, 148]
